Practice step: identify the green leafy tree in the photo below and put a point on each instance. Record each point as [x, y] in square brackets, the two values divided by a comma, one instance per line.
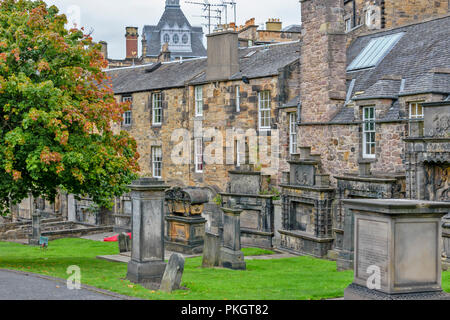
[58, 113]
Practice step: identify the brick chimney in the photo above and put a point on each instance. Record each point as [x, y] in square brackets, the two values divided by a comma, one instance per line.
[223, 57]
[131, 37]
[274, 25]
[323, 59]
[165, 55]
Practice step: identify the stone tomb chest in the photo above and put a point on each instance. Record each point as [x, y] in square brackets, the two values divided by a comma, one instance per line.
[185, 227]
[307, 198]
[397, 249]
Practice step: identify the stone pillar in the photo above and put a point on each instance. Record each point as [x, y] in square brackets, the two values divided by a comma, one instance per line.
[231, 256]
[36, 211]
[397, 250]
[147, 263]
[278, 223]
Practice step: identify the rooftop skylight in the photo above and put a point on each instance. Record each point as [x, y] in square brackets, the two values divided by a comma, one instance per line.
[375, 52]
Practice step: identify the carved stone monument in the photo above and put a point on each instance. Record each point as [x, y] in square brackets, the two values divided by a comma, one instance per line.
[147, 263]
[185, 228]
[231, 256]
[249, 189]
[397, 250]
[307, 197]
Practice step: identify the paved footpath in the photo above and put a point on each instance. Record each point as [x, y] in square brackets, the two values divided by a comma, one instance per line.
[15, 285]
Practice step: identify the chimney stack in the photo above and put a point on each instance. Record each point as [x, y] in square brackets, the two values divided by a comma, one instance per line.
[131, 37]
[323, 59]
[104, 45]
[274, 25]
[223, 57]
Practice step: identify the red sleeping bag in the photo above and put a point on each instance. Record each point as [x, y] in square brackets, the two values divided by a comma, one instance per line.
[114, 239]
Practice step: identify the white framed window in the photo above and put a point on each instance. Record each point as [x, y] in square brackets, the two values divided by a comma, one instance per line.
[416, 110]
[416, 114]
[293, 133]
[157, 109]
[238, 98]
[369, 131]
[198, 101]
[264, 110]
[198, 155]
[157, 162]
[127, 116]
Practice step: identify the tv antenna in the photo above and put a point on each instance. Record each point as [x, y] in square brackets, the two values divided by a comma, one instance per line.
[211, 12]
[225, 5]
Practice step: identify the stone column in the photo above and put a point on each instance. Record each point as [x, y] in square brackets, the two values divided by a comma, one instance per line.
[397, 250]
[147, 263]
[36, 211]
[231, 256]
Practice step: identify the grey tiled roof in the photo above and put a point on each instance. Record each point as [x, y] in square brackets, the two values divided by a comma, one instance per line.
[429, 82]
[266, 61]
[384, 88]
[293, 28]
[168, 75]
[424, 47]
[346, 114]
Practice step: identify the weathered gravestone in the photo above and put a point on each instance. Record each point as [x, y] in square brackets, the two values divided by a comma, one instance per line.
[124, 242]
[397, 250]
[231, 256]
[171, 280]
[211, 251]
[147, 263]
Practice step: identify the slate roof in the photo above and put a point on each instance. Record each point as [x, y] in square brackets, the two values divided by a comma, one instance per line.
[419, 63]
[424, 47]
[293, 28]
[266, 61]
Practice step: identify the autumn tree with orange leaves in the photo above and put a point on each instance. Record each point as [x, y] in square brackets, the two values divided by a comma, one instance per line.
[57, 111]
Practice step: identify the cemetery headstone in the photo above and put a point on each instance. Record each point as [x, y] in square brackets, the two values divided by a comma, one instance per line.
[231, 256]
[211, 251]
[124, 242]
[174, 272]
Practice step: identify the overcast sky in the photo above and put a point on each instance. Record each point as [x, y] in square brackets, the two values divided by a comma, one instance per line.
[108, 18]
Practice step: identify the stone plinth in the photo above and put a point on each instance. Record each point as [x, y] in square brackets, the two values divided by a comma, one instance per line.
[402, 240]
[147, 256]
[231, 256]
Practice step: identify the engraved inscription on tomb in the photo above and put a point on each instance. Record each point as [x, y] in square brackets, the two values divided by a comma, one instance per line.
[373, 248]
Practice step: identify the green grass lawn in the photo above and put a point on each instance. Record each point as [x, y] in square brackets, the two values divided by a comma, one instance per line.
[299, 278]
